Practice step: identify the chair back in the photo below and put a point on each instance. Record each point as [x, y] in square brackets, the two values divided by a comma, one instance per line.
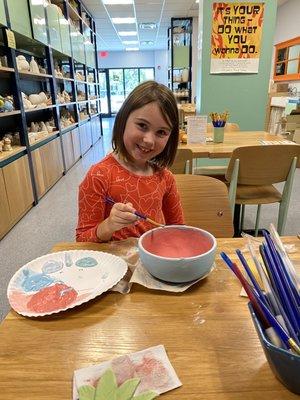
[205, 204]
[262, 165]
[183, 161]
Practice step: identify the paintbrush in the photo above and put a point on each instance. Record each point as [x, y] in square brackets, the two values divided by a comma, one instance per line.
[266, 317]
[109, 200]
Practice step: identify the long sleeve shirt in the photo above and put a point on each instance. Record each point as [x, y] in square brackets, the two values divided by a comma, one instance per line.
[155, 196]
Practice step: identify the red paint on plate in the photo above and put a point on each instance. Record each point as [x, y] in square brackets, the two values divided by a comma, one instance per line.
[52, 298]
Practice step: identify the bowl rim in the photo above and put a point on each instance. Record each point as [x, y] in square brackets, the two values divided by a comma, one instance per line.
[214, 242]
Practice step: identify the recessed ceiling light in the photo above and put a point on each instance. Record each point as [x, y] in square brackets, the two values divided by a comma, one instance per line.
[148, 25]
[129, 33]
[123, 20]
[147, 43]
[132, 49]
[130, 41]
[117, 2]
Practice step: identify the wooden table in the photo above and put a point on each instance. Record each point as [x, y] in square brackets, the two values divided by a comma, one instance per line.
[232, 140]
[207, 332]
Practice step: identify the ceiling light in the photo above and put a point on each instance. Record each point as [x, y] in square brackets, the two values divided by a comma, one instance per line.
[123, 20]
[129, 33]
[130, 41]
[112, 2]
[148, 25]
[132, 49]
[147, 43]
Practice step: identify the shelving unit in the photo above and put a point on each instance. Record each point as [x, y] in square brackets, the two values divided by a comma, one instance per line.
[180, 58]
[287, 60]
[38, 161]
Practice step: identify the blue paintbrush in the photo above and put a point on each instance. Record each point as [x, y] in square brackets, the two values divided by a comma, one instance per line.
[109, 200]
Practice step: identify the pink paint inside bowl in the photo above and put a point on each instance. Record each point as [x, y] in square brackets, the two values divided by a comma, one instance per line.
[177, 243]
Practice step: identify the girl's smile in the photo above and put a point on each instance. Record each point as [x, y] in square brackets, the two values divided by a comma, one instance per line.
[146, 134]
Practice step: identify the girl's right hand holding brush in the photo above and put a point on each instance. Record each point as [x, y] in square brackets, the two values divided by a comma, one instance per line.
[121, 215]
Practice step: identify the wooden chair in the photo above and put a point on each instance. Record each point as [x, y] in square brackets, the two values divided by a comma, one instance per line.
[183, 162]
[207, 166]
[205, 204]
[253, 170]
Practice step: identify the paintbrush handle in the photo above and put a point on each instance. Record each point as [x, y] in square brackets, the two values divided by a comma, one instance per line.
[154, 222]
[109, 200]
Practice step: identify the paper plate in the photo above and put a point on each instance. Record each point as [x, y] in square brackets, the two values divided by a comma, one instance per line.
[59, 281]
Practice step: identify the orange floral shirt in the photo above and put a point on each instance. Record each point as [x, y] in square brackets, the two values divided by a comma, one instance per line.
[155, 196]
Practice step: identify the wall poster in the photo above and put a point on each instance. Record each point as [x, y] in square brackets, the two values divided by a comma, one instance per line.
[236, 37]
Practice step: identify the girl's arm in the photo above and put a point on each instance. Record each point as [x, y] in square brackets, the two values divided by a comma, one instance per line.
[92, 225]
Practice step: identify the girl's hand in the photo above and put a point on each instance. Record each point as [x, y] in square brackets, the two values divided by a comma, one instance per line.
[121, 215]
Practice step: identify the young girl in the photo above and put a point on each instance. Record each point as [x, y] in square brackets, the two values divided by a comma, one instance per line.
[134, 175]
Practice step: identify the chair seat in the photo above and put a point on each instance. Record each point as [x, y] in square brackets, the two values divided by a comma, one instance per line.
[248, 194]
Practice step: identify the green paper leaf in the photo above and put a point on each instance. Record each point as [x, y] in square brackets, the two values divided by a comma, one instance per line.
[107, 386]
[127, 389]
[146, 396]
[86, 392]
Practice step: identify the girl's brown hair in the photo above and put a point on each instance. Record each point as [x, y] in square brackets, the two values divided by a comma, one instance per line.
[142, 95]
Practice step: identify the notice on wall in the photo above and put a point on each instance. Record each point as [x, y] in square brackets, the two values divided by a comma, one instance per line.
[236, 37]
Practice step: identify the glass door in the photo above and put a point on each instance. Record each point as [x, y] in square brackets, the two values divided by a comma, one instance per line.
[104, 92]
[146, 74]
[117, 90]
[131, 77]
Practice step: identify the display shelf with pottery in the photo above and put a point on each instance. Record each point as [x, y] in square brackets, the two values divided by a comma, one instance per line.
[5, 155]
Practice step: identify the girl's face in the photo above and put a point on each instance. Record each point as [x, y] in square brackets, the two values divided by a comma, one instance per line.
[146, 133]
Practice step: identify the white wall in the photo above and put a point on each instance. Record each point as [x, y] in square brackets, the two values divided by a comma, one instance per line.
[288, 21]
[157, 59]
[161, 66]
[127, 59]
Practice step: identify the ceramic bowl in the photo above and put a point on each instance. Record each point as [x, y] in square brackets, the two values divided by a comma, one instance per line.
[177, 253]
[284, 364]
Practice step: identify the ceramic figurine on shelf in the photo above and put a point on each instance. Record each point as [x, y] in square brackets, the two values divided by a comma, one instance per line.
[49, 127]
[7, 144]
[42, 127]
[33, 66]
[16, 139]
[22, 63]
[42, 70]
[33, 128]
[185, 75]
[1, 145]
[27, 103]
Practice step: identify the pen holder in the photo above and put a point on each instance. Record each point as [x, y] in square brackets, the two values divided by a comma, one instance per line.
[284, 364]
[218, 134]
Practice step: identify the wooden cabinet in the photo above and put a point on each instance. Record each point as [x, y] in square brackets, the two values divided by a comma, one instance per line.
[71, 147]
[16, 196]
[287, 60]
[47, 165]
[85, 137]
[5, 219]
[76, 144]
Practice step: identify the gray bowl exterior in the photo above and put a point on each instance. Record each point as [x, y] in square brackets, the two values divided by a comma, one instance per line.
[285, 365]
[178, 270]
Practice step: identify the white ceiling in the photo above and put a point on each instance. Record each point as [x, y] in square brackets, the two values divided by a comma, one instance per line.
[158, 11]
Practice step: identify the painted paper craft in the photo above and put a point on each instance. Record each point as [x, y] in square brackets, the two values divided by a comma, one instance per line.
[151, 366]
[59, 281]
